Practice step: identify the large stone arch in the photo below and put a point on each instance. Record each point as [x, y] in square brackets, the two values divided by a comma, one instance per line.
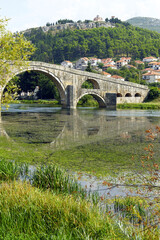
[101, 101]
[49, 74]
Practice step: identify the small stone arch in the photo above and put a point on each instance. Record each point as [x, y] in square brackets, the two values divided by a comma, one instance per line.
[119, 95]
[49, 74]
[128, 95]
[100, 100]
[137, 95]
[95, 84]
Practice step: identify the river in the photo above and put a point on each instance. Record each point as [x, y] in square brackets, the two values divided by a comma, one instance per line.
[86, 140]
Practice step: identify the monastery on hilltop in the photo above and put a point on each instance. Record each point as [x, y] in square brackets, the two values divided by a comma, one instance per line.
[98, 19]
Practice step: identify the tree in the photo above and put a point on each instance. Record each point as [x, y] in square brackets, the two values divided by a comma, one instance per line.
[15, 50]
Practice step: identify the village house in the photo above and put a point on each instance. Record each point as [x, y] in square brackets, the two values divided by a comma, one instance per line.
[121, 63]
[118, 77]
[81, 63]
[154, 65]
[67, 64]
[106, 74]
[94, 61]
[107, 61]
[149, 59]
[151, 77]
[126, 59]
[138, 62]
[106, 66]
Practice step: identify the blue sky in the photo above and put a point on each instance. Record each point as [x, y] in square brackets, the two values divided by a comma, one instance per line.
[34, 13]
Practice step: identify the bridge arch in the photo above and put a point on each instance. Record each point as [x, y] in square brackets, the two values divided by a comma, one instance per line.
[49, 74]
[137, 95]
[100, 100]
[94, 83]
[119, 95]
[128, 95]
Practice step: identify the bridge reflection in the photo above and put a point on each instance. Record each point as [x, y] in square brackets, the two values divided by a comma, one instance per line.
[65, 128]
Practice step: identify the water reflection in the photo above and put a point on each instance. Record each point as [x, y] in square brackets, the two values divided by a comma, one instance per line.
[64, 128]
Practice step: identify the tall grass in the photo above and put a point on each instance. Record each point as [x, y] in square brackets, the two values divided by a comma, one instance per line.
[29, 213]
[10, 170]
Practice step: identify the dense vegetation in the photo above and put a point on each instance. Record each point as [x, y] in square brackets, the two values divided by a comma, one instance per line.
[122, 40]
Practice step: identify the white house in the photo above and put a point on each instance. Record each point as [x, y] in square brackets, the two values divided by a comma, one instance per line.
[154, 65]
[151, 77]
[121, 63]
[82, 63]
[94, 61]
[67, 64]
[149, 59]
[126, 59]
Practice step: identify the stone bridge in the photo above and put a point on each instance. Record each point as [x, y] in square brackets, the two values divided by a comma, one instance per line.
[107, 91]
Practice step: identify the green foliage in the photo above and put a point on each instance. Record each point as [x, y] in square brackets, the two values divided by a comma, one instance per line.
[154, 93]
[122, 40]
[64, 21]
[131, 75]
[29, 80]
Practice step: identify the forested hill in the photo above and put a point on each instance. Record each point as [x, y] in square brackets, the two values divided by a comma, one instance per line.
[122, 40]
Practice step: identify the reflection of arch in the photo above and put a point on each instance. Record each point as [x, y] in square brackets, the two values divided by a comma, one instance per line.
[137, 95]
[95, 84]
[99, 99]
[49, 74]
[128, 95]
[119, 95]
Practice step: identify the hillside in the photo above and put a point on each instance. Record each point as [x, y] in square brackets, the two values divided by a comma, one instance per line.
[122, 40]
[146, 22]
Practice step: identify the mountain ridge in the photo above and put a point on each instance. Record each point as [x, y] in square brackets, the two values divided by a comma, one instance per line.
[149, 23]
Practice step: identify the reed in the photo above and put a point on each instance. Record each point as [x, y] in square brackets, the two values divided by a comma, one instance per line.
[29, 213]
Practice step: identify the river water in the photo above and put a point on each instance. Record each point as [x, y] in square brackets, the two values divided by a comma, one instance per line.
[94, 141]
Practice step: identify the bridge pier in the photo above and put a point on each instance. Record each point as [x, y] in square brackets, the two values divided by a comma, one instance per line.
[111, 101]
[71, 97]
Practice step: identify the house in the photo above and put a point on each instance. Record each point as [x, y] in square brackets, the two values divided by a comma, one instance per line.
[82, 63]
[106, 74]
[106, 66]
[154, 65]
[130, 66]
[138, 62]
[149, 59]
[121, 63]
[67, 64]
[126, 59]
[151, 77]
[107, 61]
[94, 61]
[118, 77]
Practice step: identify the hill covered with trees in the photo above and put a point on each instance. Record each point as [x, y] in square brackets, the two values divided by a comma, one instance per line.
[122, 40]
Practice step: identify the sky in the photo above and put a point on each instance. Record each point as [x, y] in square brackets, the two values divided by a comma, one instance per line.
[24, 14]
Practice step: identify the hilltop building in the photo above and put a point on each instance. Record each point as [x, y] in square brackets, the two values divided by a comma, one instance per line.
[98, 19]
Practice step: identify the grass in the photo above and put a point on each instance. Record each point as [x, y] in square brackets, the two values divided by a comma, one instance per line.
[147, 105]
[28, 213]
[39, 101]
